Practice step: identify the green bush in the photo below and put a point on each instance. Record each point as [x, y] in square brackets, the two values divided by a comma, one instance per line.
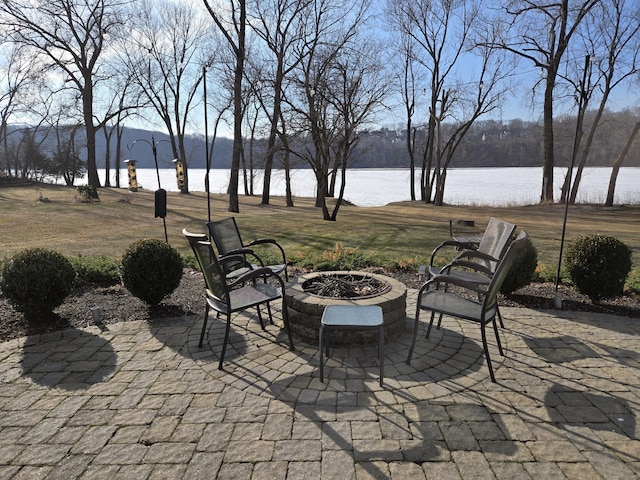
[598, 266]
[98, 270]
[633, 281]
[340, 258]
[36, 281]
[522, 270]
[151, 270]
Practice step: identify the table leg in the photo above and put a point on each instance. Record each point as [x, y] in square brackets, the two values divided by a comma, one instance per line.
[321, 351]
[380, 351]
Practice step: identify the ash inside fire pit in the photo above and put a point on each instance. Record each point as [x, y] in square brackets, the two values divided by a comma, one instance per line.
[342, 285]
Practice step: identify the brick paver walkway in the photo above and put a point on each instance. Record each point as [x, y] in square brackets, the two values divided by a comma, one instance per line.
[140, 400]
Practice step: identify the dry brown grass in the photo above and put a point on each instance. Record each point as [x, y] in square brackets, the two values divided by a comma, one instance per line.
[405, 231]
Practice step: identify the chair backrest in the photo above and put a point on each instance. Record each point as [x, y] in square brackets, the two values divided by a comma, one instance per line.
[495, 240]
[225, 235]
[207, 260]
[502, 270]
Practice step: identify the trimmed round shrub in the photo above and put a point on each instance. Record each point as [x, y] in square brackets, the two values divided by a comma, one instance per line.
[151, 270]
[36, 281]
[598, 266]
[522, 269]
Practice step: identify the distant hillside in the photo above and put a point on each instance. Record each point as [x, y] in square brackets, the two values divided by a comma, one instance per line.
[489, 143]
[140, 141]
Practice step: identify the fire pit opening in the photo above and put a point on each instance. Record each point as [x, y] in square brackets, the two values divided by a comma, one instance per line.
[308, 295]
[351, 285]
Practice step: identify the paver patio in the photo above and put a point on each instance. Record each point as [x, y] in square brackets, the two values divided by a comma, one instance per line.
[140, 400]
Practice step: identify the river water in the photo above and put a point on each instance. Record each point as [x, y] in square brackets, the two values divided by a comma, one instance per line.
[496, 187]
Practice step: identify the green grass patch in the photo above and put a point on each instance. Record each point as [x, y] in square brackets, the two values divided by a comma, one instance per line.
[396, 235]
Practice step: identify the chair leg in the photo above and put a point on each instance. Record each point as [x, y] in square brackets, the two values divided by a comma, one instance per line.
[204, 325]
[486, 352]
[499, 316]
[413, 335]
[439, 321]
[226, 339]
[260, 316]
[287, 326]
[433, 314]
[495, 329]
[269, 311]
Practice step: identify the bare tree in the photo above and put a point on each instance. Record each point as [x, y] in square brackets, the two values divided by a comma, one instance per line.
[408, 92]
[330, 32]
[358, 88]
[278, 23]
[19, 76]
[71, 34]
[440, 38]
[473, 102]
[541, 33]
[165, 59]
[65, 161]
[612, 37]
[618, 163]
[233, 28]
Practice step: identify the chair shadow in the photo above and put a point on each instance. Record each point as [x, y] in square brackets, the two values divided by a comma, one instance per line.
[68, 359]
[565, 348]
[602, 411]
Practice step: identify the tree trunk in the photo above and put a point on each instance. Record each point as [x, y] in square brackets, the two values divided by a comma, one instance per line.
[90, 131]
[549, 159]
[411, 142]
[234, 204]
[343, 176]
[618, 164]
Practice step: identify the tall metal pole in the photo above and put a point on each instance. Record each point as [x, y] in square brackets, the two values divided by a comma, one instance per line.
[206, 142]
[582, 105]
[155, 158]
[160, 194]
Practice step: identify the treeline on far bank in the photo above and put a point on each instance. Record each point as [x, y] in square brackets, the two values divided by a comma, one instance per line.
[513, 143]
[491, 143]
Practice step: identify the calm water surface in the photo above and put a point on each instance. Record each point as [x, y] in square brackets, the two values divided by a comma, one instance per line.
[375, 187]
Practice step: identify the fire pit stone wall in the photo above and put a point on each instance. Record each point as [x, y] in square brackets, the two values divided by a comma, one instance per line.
[305, 309]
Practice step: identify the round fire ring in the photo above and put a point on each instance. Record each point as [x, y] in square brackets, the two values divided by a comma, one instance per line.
[305, 309]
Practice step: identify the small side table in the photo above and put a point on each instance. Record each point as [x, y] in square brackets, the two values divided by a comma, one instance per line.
[351, 317]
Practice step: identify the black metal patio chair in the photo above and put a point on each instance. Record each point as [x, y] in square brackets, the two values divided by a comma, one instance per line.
[226, 296]
[480, 306]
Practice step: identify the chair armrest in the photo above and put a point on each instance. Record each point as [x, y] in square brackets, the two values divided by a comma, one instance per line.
[245, 251]
[238, 251]
[474, 254]
[257, 273]
[451, 280]
[231, 259]
[466, 264]
[259, 241]
[451, 243]
[270, 241]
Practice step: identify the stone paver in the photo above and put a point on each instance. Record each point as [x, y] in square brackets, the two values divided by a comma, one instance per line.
[141, 400]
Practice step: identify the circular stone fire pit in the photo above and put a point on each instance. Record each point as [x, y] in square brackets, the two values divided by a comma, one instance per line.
[308, 294]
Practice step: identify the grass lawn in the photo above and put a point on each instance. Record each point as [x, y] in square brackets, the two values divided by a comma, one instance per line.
[401, 233]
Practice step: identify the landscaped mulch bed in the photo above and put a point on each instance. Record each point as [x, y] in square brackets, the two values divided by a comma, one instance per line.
[118, 305]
